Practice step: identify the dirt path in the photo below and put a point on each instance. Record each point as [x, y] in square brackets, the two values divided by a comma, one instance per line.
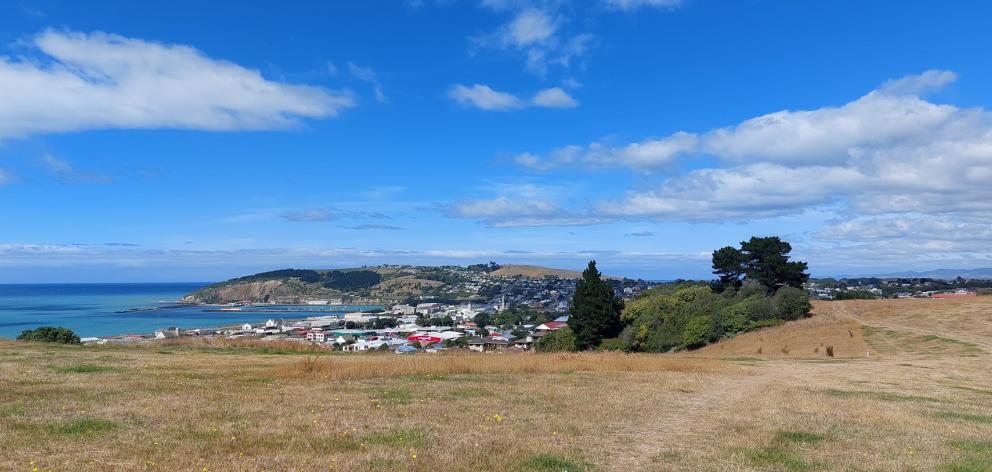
[677, 426]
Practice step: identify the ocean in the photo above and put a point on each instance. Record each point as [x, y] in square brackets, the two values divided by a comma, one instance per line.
[115, 309]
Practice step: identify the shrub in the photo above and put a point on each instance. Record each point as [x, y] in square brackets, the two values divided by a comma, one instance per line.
[759, 307]
[791, 303]
[613, 344]
[763, 324]
[49, 334]
[734, 319]
[697, 332]
[559, 340]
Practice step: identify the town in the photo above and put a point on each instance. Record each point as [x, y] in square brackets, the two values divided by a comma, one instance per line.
[482, 308]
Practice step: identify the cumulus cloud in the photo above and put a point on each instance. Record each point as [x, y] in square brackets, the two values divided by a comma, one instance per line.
[889, 151]
[77, 81]
[484, 97]
[753, 192]
[554, 97]
[530, 26]
[943, 229]
[537, 34]
[631, 5]
[906, 177]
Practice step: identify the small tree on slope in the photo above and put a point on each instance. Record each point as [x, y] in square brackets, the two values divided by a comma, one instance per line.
[595, 311]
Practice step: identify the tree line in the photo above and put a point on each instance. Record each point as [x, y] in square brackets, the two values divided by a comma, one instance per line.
[756, 285]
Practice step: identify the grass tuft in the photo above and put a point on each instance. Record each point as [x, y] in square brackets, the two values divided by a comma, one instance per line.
[400, 438]
[395, 396]
[85, 369]
[779, 457]
[552, 463]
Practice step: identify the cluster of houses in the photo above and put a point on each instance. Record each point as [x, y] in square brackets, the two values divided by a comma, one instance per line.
[346, 332]
[829, 289]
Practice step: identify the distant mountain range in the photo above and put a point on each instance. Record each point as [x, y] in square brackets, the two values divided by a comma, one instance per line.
[943, 274]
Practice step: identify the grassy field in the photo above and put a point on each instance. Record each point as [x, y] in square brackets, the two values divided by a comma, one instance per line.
[920, 400]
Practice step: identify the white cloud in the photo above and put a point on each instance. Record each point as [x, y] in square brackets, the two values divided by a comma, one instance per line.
[5, 177]
[752, 192]
[484, 97]
[884, 153]
[630, 5]
[880, 120]
[829, 134]
[919, 84]
[537, 34]
[530, 26]
[648, 154]
[80, 81]
[554, 98]
[911, 227]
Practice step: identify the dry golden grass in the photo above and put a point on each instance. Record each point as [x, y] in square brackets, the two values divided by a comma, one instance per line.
[968, 320]
[247, 342]
[810, 337]
[371, 366]
[237, 407]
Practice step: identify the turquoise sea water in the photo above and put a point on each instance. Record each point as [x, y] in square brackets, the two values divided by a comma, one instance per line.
[114, 309]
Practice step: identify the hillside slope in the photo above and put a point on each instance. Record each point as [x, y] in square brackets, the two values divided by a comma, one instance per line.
[514, 270]
[867, 328]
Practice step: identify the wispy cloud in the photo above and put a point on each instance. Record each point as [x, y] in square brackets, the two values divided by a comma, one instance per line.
[65, 172]
[537, 34]
[310, 214]
[80, 81]
[632, 5]
[366, 74]
[366, 227]
[484, 97]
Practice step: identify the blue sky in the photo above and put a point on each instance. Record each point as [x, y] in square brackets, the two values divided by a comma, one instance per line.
[179, 141]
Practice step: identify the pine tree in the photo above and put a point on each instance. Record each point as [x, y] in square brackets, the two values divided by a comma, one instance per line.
[595, 311]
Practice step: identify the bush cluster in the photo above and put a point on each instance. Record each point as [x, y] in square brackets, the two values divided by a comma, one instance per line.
[690, 315]
[49, 334]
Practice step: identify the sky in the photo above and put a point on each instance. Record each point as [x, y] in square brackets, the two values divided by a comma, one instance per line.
[197, 141]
